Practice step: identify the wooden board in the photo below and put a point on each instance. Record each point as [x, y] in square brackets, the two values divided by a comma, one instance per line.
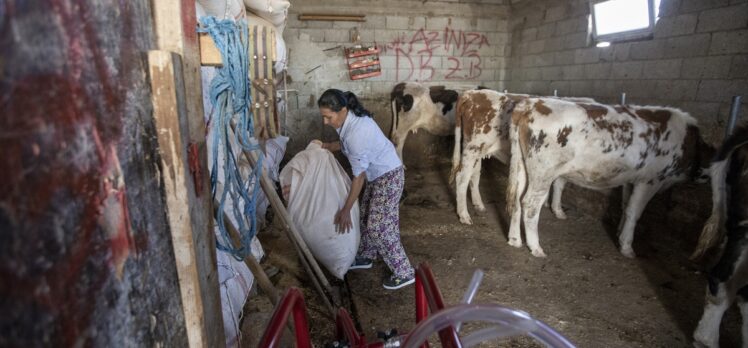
[209, 53]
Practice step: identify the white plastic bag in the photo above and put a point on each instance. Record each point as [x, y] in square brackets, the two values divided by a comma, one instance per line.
[319, 188]
[235, 281]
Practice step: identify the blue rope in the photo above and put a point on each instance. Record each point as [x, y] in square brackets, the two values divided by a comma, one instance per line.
[229, 93]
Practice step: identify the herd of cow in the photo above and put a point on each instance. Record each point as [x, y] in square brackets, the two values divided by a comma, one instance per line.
[548, 141]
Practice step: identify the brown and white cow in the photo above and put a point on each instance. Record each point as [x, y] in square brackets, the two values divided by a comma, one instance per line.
[597, 146]
[415, 106]
[481, 131]
[725, 239]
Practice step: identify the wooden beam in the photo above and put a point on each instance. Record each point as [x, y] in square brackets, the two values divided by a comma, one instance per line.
[209, 54]
[332, 17]
[174, 29]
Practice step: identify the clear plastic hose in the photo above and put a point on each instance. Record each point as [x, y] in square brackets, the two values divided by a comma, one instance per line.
[471, 290]
[510, 322]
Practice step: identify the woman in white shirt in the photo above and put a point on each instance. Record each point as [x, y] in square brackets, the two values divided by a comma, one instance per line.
[373, 159]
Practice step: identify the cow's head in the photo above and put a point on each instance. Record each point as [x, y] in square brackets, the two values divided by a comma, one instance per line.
[697, 155]
[415, 106]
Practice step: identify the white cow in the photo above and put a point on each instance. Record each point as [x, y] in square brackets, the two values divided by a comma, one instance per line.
[599, 147]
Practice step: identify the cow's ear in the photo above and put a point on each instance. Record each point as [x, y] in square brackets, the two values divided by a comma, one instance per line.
[407, 102]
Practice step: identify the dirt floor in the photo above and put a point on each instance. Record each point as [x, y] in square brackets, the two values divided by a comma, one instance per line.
[584, 289]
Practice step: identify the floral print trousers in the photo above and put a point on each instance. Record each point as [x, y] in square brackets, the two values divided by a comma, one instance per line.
[380, 223]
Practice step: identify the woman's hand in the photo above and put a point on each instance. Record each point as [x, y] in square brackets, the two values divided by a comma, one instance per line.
[343, 220]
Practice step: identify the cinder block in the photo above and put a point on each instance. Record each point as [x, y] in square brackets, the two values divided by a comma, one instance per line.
[437, 23]
[677, 25]
[532, 74]
[529, 34]
[337, 35]
[387, 62]
[717, 67]
[598, 71]
[502, 25]
[662, 69]
[726, 18]
[627, 70]
[586, 55]
[687, 46]
[621, 51]
[607, 54]
[653, 49]
[397, 22]
[374, 22]
[367, 36]
[573, 72]
[566, 26]
[739, 67]
[315, 35]
[732, 42]
[564, 57]
[557, 13]
[500, 51]
[698, 5]
[669, 8]
[554, 44]
[576, 40]
[551, 73]
[385, 36]
[319, 24]
[561, 86]
[580, 88]
[717, 90]
[485, 24]
[701, 110]
[684, 90]
[546, 59]
[347, 25]
[537, 46]
[546, 30]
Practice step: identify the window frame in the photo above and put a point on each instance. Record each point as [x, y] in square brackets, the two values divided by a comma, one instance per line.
[623, 35]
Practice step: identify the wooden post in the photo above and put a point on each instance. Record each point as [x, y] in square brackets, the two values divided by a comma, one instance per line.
[174, 30]
[202, 313]
[262, 278]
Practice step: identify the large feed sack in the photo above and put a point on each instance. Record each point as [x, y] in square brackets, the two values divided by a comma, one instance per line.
[318, 189]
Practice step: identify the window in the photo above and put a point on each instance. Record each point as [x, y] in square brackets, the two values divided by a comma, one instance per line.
[618, 20]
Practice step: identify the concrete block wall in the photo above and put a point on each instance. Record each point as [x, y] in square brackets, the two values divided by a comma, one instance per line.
[450, 42]
[696, 60]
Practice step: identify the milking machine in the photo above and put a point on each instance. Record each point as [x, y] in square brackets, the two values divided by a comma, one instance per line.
[432, 316]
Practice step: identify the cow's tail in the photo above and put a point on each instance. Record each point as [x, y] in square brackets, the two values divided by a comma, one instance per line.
[393, 125]
[517, 182]
[714, 231]
[457, 153]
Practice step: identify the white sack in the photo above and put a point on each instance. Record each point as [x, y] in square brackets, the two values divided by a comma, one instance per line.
[235, 280]
[280, 44]
[274, 11]
[223, 9]
[319, 188]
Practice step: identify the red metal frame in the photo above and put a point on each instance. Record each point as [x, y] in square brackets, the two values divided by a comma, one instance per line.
[293, 300]
[428, 299]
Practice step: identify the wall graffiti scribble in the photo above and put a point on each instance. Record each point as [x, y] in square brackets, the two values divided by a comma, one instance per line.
[416, 54]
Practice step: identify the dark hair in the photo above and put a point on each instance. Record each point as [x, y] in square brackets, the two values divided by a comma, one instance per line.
[335, 100]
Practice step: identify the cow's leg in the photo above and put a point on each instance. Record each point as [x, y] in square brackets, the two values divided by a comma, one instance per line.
[532, 202]
[743, 305]
[462, 179]
[558, 188]
[625, 196]
[640, 196]
[707, 332]
[475, 187]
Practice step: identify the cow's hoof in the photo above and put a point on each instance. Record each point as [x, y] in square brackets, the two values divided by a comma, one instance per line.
[465, 219]
[560, 215]
[538, 252]
[628, 252]
[480, 208]
[546, 204]
[701, 341]
[515, 242]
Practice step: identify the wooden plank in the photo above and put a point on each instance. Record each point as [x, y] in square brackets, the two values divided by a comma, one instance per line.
[174, 29]
[209, 53]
